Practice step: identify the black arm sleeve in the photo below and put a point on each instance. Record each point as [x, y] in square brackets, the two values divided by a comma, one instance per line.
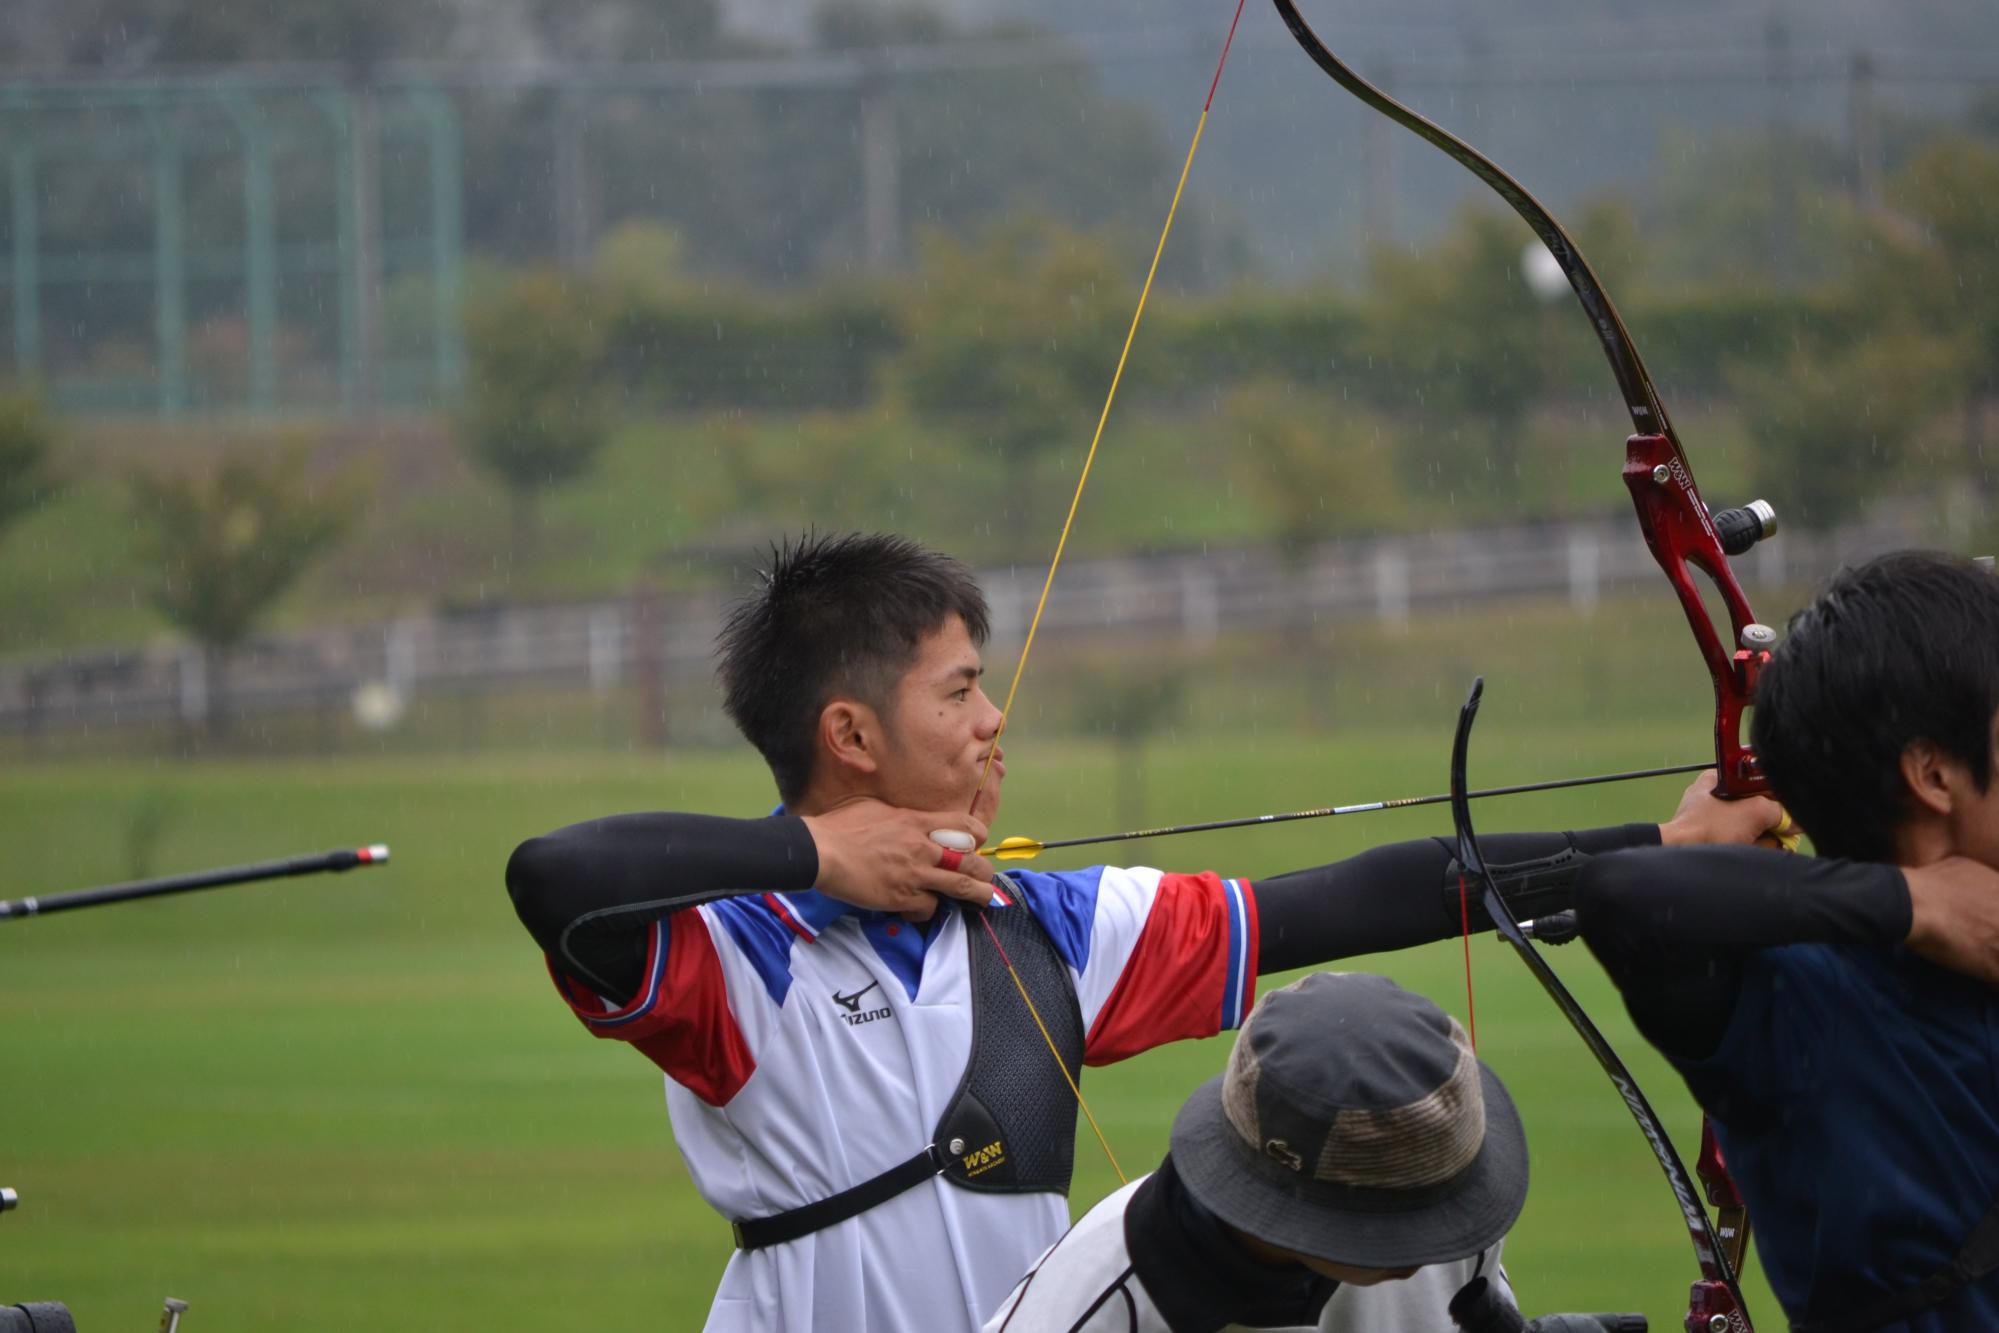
[1406, 893]
[1674, 926]
[589, 892]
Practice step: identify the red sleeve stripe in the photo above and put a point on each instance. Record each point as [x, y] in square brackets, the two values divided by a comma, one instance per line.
[790, 918]
[696, 1038]
[1189, 972]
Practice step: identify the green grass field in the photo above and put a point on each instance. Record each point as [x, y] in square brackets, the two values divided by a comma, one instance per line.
[355, 1100]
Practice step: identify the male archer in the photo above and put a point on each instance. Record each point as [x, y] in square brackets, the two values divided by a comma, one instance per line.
[835, 995]
[1836, 1016]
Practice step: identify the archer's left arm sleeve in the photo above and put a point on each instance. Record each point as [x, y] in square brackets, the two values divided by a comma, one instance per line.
[1674, 927]
[1156, 957]
[1406, 893]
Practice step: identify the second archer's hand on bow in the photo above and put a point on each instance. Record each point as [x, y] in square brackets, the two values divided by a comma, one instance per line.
[1702, 819]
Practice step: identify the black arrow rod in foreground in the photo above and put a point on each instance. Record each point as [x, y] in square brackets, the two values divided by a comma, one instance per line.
[1024, 849]
[346, 858]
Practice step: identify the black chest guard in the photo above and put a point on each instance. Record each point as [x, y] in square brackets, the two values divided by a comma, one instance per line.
[1011, 1126]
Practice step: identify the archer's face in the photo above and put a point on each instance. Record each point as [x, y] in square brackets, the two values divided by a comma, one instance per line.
[940, 729]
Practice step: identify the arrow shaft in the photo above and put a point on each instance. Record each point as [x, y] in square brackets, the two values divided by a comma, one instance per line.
[343, 859]
[1399, 803]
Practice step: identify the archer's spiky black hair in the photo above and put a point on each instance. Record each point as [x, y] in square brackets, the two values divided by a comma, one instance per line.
[832, 616]
[1901, 649]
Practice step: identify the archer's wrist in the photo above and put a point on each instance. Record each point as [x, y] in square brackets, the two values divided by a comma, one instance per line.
[824, 847]
[1922, 899]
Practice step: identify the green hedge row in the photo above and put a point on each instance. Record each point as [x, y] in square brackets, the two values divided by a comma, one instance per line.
[835, 348]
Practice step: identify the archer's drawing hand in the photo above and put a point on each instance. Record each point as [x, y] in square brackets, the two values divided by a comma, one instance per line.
[883, 858]
[1954, 915]
[1703, 818]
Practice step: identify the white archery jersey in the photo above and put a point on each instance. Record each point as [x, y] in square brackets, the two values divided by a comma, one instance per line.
[809, 1047]
[1085, 1284]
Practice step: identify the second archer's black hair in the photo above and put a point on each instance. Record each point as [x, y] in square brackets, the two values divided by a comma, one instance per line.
[1903, 648]
[833, 615]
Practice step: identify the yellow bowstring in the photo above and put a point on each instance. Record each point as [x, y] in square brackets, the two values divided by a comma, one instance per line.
[1062, 542]
[1060, 1064]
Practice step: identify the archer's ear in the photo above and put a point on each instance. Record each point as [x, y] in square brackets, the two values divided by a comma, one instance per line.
[1929, 775]
[851, 736]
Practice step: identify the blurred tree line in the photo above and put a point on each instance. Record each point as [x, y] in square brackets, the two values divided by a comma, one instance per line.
[1346, 409]
[1338, 411]
[1864, 369]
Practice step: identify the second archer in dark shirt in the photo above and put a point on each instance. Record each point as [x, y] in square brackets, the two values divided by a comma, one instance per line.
[1837, 1017]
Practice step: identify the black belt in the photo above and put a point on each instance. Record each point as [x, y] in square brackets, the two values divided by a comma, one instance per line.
[753, 1233]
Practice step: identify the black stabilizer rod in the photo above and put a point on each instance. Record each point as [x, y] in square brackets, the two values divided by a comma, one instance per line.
[346, 858]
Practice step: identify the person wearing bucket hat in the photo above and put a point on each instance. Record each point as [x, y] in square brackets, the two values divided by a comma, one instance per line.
[1351, 1169]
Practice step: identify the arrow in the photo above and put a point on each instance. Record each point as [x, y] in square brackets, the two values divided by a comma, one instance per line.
[346, 858]
[1026, 849]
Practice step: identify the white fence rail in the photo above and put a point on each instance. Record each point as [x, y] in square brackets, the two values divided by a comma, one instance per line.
[667, 637]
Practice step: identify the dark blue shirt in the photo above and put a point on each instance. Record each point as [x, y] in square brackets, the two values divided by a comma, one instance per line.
[1856, 1096]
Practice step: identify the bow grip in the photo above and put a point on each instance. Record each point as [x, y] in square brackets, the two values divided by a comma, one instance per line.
[1680, 532]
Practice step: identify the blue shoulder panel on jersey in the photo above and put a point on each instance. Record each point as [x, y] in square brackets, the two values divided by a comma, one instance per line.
[1065, 903]
[762, 937]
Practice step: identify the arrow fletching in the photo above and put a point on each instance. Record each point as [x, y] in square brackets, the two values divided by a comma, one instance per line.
[1013, 849]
